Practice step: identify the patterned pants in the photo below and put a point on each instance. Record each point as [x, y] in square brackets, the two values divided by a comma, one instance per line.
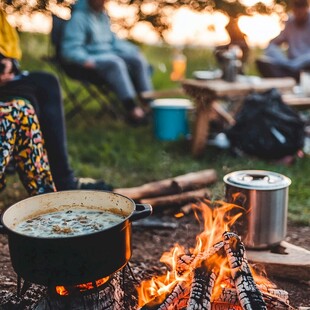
[21, 139]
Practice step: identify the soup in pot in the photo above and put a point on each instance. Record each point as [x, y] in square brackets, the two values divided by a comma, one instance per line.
[67, 223]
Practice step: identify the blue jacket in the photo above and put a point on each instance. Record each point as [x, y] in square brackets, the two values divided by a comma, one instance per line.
[88, 37]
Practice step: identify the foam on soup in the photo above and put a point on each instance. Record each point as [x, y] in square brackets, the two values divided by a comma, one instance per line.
[67, 223]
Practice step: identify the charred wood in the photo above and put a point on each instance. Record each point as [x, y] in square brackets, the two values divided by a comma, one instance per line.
[224, 306]
[201, 289]
[239, 292]
[187, 261]
[273, 301]
[274, 292]
[249, 295]
[177, 299]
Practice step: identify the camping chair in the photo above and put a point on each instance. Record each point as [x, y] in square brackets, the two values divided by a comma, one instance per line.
[268, 69]
[80, 92]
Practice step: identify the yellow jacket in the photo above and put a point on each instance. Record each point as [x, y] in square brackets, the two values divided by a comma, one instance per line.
[9, 40]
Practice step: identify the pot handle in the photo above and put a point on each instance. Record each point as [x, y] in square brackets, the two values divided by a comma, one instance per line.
[142, 210]
[2, 229]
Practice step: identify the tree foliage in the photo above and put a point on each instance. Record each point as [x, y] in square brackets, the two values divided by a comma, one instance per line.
[155, 12]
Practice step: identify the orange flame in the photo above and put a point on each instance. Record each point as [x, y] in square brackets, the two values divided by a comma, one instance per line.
[216, 217]
[63, 291]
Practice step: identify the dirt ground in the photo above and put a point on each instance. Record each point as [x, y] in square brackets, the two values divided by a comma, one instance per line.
[149, 243]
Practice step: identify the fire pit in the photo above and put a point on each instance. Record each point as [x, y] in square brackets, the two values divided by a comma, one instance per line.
[148, 244]
[215, 274]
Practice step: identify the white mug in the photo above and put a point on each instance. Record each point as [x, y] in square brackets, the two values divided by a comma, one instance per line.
[305, 82]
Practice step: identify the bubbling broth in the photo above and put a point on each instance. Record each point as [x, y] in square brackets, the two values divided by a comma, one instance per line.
[66, 223]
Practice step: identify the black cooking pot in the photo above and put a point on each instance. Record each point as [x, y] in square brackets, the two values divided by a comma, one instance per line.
[76, 259]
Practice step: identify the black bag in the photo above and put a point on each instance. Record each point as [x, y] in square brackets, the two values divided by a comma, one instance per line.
[266, 127]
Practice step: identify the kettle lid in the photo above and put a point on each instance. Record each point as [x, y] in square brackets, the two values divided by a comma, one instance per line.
[257, 179]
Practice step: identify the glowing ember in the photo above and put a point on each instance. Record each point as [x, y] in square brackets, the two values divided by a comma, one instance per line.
[215, 270]
[63, 291]
[179, 215]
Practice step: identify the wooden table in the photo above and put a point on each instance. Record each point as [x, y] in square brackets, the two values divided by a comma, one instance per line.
[206, 92]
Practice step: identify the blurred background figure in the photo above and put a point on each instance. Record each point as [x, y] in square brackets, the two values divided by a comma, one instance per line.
[295, 37]
[21, 139]
[236, 50]
[42, 89]
[88, 42]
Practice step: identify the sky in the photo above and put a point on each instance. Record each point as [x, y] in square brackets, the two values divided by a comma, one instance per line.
[201, 28]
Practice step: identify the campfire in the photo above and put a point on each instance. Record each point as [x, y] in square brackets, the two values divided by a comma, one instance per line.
[103, 294]
[65, 291]
[215, 274]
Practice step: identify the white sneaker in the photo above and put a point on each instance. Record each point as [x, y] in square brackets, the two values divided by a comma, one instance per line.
[220, 140]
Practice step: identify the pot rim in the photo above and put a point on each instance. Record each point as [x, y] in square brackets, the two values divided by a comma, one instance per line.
[125, 221]
[266, 180]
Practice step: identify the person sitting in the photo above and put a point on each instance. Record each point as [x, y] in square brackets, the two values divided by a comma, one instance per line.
[296, 35]
[43, 90]
[21, 139]
[89, 43]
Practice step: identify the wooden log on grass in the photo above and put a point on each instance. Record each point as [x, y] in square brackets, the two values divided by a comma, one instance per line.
[178, 199]
[176, 185]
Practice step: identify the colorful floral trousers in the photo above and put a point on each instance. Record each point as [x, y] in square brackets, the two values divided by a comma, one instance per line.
[21, 140]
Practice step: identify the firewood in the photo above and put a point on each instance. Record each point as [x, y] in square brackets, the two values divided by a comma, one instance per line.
[178, 298]
[174, 300]
[178, 199]
[228, 296]
[239, 291]
[201, 289]
[249, 295]
[273, 301]
[274, 292]
[224, 306]
[179, 184]
[187, 261]
[184, 263]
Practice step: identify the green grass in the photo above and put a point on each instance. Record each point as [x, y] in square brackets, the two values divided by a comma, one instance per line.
[126, 156]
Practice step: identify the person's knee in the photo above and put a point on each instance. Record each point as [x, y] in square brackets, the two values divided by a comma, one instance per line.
[26, 109]
[113, 64]
[139, 62]
[46, 78]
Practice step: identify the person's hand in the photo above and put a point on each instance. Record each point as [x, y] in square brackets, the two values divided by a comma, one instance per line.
[89, 64]
[6, 73]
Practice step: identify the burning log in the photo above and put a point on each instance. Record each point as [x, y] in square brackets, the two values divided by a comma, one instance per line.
[274, 292]
[249, 295]
[273, 300]
[224, 306]
[176, 185]
[195, 292]
[187, 261]
[202, 287]
[183, 294]
[276, 302]
[177, 299]
[211, 277]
